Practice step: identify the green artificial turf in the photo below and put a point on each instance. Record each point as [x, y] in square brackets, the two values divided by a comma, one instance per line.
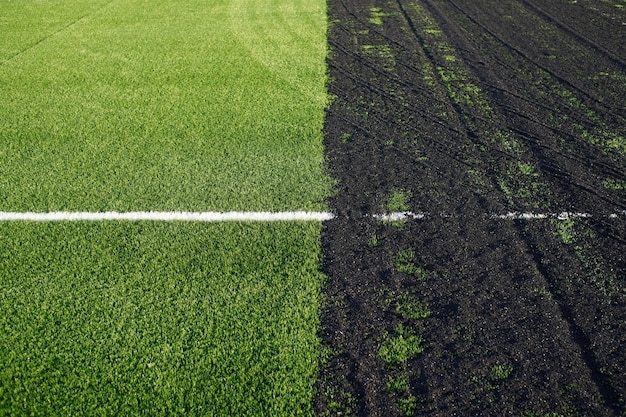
[183, 105]
[27, 23]
[163, 105]
[152, 318]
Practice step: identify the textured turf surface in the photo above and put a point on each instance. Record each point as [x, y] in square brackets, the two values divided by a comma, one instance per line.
[170, 106]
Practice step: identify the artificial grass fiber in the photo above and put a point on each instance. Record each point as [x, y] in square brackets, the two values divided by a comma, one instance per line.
[160, 105]
[152, 318]
[163, 105]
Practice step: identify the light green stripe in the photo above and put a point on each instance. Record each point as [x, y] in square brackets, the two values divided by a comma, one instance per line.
[168, 105]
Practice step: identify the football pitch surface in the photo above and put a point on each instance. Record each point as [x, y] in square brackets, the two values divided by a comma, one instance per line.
[164, 106]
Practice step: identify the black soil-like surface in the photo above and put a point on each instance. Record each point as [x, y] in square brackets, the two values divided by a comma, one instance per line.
[463, 111]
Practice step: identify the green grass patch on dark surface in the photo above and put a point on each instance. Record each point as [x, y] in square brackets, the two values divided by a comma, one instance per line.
[153, 318]
[163, 105]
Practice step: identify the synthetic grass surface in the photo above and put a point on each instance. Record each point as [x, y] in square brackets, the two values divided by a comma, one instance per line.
[158, 318]
[163, 105]
[182, 105]
[27, 23]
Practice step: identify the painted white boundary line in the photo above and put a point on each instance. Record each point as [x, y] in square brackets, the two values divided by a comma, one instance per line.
[259, 216]
[169, 216]
[530, 216]
[400, 216]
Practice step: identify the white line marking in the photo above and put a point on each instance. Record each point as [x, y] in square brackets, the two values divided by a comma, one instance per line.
[399, 216]
[259, 216]
[169, 216]
[531, 216]
[406, 215]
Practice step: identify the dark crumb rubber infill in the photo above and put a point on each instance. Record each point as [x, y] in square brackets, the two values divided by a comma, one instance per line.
[466, 109]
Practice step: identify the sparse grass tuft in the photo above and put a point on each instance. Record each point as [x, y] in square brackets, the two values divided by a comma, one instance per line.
[372, 242]
[408, 405]
[613, 184]
[565, 230]
[527, 169]
[412, 309]
[399, 384]
[500, 372]
[405, 262]
[401, 388]
[398, 200]
[398, 349]
[376, 15]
